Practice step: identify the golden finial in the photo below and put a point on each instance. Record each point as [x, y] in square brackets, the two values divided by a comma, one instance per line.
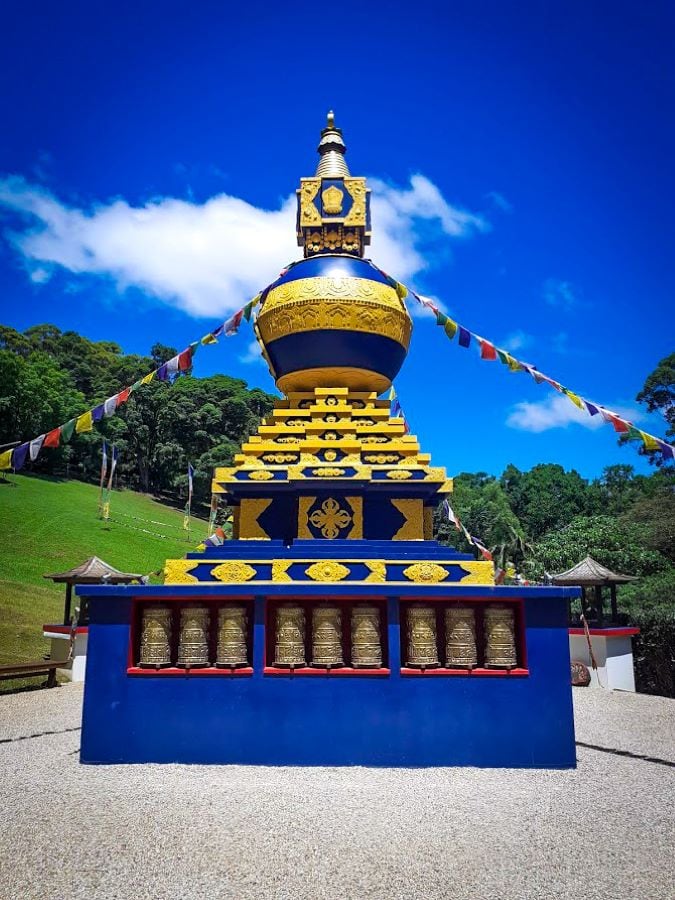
[332, 150]
[330, 119]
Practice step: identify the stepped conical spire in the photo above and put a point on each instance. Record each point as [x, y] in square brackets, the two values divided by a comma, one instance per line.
[332, 151]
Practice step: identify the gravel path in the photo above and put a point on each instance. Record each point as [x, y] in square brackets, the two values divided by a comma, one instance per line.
[192, 832]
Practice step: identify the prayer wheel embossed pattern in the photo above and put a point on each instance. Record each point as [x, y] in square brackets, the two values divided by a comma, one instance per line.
[460, 638]
[289, 648]
[326, 636]
[500, 640]
[232, 647]
[422, 646]
[193, 645]
[155, 649]
[366, 642]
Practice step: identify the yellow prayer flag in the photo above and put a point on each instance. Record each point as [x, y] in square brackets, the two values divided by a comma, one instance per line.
[186, 522]
[209, 339]
[84, 423]
[576, 400]
[148, 378]
[106, 511]
[650, 442]
[6, 459]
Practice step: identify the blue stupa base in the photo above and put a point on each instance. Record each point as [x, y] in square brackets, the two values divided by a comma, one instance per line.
[266, 716]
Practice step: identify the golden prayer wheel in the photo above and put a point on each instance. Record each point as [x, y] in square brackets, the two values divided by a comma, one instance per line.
[366, 643]
[155, 648]
[289, 649]
[232, 647]
[460, 638]
[326, 636]
[500, 641]
[422, 646]
[193, 644]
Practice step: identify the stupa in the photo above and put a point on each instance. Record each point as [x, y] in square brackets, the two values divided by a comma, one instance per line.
[332, 629]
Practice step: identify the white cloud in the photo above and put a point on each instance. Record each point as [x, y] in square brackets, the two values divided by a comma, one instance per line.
[558, 411]
[500, 201]
[209, 258]
[516, 341]
[560, 293]
[252, 354]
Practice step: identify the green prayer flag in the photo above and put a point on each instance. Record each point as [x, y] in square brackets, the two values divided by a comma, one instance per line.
[503, 357]
[67, 431]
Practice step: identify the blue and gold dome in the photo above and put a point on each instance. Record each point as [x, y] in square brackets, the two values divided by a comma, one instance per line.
[333, 319]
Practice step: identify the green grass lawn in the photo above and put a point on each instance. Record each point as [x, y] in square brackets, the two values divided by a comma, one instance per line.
[49, 525]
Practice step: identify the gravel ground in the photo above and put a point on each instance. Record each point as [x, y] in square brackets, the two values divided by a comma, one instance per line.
[191, 832]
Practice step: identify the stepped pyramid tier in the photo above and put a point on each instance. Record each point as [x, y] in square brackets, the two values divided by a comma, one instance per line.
[333, 319]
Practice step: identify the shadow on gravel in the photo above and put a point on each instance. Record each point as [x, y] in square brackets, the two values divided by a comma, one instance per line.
[615, 752]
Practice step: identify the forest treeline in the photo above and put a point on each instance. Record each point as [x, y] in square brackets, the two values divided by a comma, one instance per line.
[540, 521]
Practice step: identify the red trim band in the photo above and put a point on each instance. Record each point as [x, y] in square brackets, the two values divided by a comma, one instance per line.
[65, 629]
[607, 632]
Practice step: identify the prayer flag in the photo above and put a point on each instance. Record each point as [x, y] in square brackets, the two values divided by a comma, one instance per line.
[191, 473]
[97, 413]
[104, 467]
[452, 518]
[650, 442]
[666, 449]
[450, 328]
[67, 431]
[502, 356]
[52, 438]
[36, 446]
[633, 434]
[110, 406]
[209, 338]
[185, 360]
[401, 290]
[591, 408]
[113, 466]
[231, 327]
[84, 423]
[515, 365]
[575, 399]
[620, 426]
[6, 459]
[19, 456]
[482, 549]
[123, 396]
[441, 318]
[464, 337]
[148, 378]
[163, 373]
[487, 350]
[171, 365]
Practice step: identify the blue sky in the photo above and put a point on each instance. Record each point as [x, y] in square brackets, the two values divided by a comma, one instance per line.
[521, 159]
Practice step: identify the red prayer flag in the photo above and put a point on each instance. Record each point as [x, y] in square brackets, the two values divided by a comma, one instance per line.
[619, 424]
[185, 360]
[53, 438]
[123, 396]
[487, 350]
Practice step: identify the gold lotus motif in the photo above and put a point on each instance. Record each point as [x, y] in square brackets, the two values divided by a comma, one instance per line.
[328, 472]
[330, 519]
[327, 571]
[399, 474]
[260, 475]
[425, 573]
[233, 572]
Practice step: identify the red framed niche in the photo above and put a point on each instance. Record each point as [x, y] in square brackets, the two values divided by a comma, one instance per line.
[176, 604]
[346, 604]
[478, 605]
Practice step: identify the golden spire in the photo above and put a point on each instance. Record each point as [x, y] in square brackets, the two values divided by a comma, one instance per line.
[332, 151]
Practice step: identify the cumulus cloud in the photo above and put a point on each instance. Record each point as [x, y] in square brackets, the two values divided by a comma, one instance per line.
[209, 258]
[517, 340]
[560, 293]
[557, 411]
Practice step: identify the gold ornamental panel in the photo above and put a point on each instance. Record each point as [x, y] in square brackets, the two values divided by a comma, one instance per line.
[322, 288]
[155, 649]
[233, 572]
[421, 643]
[425, 573]
[326, 636]
[332, 199]
[366, 640]
[176, 571]
[356, 188]
[250, 509]
[500, 639]
[289, 647]
[412, 528]
[460, 638]
[309, 214]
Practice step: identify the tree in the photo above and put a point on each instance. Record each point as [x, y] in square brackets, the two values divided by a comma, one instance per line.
[545, 498]
[658, 394]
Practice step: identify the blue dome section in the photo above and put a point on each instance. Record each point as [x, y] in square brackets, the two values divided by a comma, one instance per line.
[334, 321]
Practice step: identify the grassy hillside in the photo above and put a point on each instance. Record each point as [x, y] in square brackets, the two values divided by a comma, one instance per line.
[49, 525]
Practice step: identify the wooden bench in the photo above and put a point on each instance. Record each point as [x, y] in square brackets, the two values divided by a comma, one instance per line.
[31, 670]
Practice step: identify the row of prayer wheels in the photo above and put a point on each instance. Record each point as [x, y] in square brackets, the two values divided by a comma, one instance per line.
[194, 645]
[497, 642]
[326, 636]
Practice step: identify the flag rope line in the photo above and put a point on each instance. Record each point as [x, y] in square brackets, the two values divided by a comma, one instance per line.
[490, 351]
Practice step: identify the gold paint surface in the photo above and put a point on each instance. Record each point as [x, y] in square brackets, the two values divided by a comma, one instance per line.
[327, 571]
[421, 645]
[193, 644]
[155, 649]
[366, 641]
[232, 647]
[500, 640]
[250, 510]
[326, 636]
[412, 528]
[460, 637]
[233, 572]
[176, 571]
[425, 573]
[289, 647]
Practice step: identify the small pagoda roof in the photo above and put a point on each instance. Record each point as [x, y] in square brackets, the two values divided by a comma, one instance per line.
[590, 572]
[93, 570]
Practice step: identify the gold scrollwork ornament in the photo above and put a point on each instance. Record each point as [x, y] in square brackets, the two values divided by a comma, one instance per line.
[425, 573]
[233, 572]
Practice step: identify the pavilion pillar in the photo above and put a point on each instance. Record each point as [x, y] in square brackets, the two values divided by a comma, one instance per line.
[66, 608]
[612, 594]
[598, 602]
